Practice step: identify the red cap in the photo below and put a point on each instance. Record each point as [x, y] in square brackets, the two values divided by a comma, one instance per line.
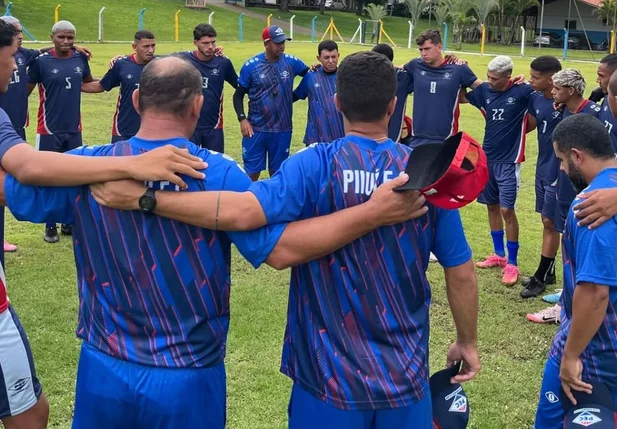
[450, 175]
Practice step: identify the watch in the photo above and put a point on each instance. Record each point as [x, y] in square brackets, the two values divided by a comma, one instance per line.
[241, 117]
[147, 202]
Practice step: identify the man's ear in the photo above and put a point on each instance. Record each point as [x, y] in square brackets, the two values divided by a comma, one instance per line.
[135, 98]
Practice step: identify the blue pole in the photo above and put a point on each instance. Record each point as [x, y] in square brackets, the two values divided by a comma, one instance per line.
[313, 29]
[240, 32]
[141, 18]
[7, 12]
[445, 36]
[25, 30]
[565, 44]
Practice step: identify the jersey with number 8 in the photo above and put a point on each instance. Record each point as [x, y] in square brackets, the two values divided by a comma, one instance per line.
[59, 81]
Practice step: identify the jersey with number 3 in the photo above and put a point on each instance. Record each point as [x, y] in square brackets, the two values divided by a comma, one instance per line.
[606, 116]
[505, 113]
[59, 81]
[435, 100]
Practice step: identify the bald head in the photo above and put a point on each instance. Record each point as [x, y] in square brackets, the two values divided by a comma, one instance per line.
[169, 85]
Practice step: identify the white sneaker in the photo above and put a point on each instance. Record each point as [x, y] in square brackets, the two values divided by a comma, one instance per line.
[548, 315]
[432, 258]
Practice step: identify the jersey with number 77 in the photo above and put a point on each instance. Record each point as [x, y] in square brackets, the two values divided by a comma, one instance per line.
[59, 81]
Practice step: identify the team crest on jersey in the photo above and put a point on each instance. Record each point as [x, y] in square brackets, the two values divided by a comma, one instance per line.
[77, 69]
[423, 73]
[459, 403]
[447, 75]
[215, 72]
[511, 100]
[284, 74]
[129, 76]
[586, 417]
[54, 71]
[20, 62]
[488, 101]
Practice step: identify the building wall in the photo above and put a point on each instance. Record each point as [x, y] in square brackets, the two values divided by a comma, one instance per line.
[556, 14]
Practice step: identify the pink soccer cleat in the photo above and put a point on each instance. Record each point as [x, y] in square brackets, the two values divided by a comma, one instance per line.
[510, 275]
[548, 315]
[493, 261]
[8, 247]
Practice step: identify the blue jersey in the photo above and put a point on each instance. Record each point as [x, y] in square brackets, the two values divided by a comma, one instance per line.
[324, 123]
[588, 107]
[59, 81]
[600, 267]
[403, 89]
[151, 290]
[270, 88]
[15, 100]
[126, 74]
[506, 121]
[357, 325]
[215, 72]
[606, 116]
[547, 118]
[435, 100]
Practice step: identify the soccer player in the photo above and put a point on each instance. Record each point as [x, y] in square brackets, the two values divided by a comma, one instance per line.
[215, 71]
[356, 344]
[268, 80]
[606, 68]
[59, 75]
[23, 404]
[403, 89]
[585, 344]
[170, 279]
[436, 86]
[568, 89]
[544, 117]
[324, 123]
[126, 73]
[504, 106]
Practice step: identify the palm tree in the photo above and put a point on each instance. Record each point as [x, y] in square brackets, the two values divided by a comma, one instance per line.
[483, 9]
[415, 9]
[607, 12]
[375, 13]
[441, 14]
[516, 9]
[457, 12]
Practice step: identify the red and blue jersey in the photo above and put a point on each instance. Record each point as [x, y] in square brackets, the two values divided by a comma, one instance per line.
[435, 101]
[151, 290]
[547, 118]
[580, 265]
[59, 81]
[15, 100]
[215, 72]
[324, 122]
[609, 121]
[270, 89]
[357, 325]
[404, 88]
[505, 114]
[126, 73]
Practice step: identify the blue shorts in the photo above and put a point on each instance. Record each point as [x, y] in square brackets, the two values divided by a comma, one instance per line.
[546, 198]
[414, 141]
[307, 412]
[273, 144]
[502, 186]
[211, 139]
[62, 142]
[549, 414]
[112, 393]
[565, 196]
[122, 138]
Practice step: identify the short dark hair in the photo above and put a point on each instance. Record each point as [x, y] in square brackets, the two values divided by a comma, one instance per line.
[434, 36]
[611, 61]
[169, 88]
[144, 34]
[365, 86]
[203, 30]
[546, 64]
[612, 84]
[586, 133]
[7, 33]
[384, 49]
[327, 45]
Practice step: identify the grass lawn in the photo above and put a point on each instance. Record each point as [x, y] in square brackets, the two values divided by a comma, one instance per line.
[42, 287]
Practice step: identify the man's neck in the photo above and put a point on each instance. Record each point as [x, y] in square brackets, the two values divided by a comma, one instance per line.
[161, 127]
[139, 60]
[548, 93]
[574, 103]
[61, 54]
[437, 63]
[597, 166]
[202, 57]
[370, 130]
[270, 59]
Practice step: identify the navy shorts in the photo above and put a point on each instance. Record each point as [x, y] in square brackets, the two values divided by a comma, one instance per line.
[113, 393]
[122, 138]
[273, 145]
[62, 142]
[211, 139]
[307, 412]
[565, 195]
[414, 141]
[549, 414]
[502, 186]
[546, 198]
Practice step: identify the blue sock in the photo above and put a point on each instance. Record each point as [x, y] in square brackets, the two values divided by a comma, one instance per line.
[512, 252]
[498, 243]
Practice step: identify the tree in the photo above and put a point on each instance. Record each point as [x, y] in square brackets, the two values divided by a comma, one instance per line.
[515, 10]
[415, 9]
[375, 13]
[441, 14]
[457, 12]
[284, 7]
[606, 12]
[483, 9]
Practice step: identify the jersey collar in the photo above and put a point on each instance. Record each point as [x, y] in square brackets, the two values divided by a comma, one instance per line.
[140, 143]
[370, 144]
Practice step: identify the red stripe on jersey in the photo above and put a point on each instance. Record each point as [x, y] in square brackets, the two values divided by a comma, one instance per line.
[457, 114]
[219, 122]
[114, 124]
[521, 153]
[41, 128]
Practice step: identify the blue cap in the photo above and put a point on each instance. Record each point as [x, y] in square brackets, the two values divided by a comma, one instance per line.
[450, 404]
[274, 33]
[595, 410]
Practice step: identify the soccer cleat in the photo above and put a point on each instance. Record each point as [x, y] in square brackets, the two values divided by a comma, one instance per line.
[432, 258]
[533, 289]
[551, 279]
[548, 315]
[66, 230]
[51, 235]
[553, 298]
[492, 261]
[8, 247]
[510, 275]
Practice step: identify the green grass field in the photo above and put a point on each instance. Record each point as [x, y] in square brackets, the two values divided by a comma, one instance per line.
[42, 288]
